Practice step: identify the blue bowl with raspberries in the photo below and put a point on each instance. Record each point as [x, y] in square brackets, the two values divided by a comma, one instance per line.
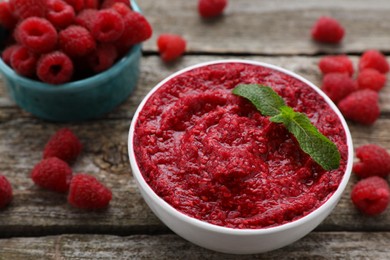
[85, 96]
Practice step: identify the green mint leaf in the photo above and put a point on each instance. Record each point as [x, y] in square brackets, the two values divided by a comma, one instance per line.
[265, 99]
[311, 141]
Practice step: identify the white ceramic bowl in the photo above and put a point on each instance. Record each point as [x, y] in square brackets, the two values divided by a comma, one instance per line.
[229, 240]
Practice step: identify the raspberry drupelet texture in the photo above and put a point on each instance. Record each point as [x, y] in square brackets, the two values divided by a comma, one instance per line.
[37, 34]
[371, 79]
[23, 61]
[77, 5]
[5, 192]
[338, 85]
[327, 30]
[52, 174]
[7, 18]
[371, 196]
[121, 8]
[76, 41]
[86, 18]
[211, 8]
[374, 161]
[361, 106]
[86, 192]
[64, 145]
[7, 53]
[59, 13]
[373, 59]
[103, 58]
[110, 3]
[336, 63]
[107, 26]
[55, 68]
[170, 46]
[28, 8]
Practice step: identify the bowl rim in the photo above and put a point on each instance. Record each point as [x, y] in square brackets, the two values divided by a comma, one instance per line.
[333, 199]
[82, 84]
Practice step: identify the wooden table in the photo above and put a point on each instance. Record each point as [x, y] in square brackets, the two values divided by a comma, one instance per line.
[41, 225]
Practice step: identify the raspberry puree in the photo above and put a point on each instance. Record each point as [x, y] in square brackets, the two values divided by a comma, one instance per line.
[214, 157]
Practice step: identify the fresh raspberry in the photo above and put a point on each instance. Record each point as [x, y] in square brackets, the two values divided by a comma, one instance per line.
[7, 19]
[52, 174]
[77, 5]
[338, 85]
[28, 8]
[108, 26]
[336, 63]
[110, 3]
[211, 8]
[361, 106]
[7, 53]
[86, 18]
[5, 192]
[37, 34]
[371, 196]
[86, 192]
[137, 29]
[64, 145]
[374, 161]
[170, 46]
[55, 68]
[59, 13]
[76, 41]
[371, 79]
[103, 58]
[373, 59]
[327, 30]
[23, 61]
[121, 8]
[91, 4]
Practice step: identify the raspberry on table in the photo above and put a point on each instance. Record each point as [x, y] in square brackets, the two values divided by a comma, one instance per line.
[371, 196]
[374, 161]
[373, 59]
[55, 68]
[371, 79]
[361, 106]
[76, 41]
[336, 63]
[170, 46]
[7, 53]
[107, 26]
[59, 13]
[102, 58]
[211, 8]
[337, 86]
[64, 145]
[7, 18]
[23, 61]
[86, 192]
[37, 34]
[52, 174]
[327, 30]
[5, 192]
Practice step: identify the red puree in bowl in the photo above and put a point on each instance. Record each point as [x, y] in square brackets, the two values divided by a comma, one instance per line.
[213, 156]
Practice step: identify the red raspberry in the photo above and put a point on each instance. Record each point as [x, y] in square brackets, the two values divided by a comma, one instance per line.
[374, 161]
[7, 53]
[23, 61]
[37, 34]
[103, 58]
[91, 4]
[371, 196]
[59, 13]
[373, 59]
[77, 5]
[52, 174]
[121, 8]
[76, 41]
[211, 8]
[5, 192]
[327, 30]
[170, 46]
[371, 79]
[361, 106]
[7, 19]
[108, 26]
[110, 3]
[137, 29]
[86, 18]
[55, 68]
[64, 145]
[28, 8]
[86, 192]
[338, 85]
[336, 63]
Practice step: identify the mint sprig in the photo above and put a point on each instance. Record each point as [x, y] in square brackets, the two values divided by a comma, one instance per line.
[311, 141]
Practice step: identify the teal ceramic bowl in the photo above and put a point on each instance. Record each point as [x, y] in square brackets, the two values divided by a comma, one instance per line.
[78, 100]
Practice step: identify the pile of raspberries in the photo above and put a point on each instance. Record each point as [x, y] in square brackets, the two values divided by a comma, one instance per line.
[54, 173]
[58, 41]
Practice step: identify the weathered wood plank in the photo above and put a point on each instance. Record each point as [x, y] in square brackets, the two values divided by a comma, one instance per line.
[316, 245]
[271, 27]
